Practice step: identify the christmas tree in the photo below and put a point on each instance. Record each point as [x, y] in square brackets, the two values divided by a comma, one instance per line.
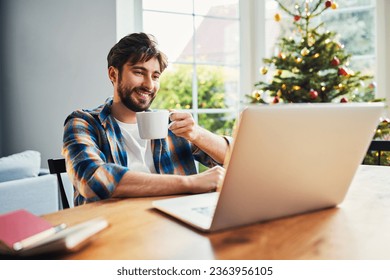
[311, 65]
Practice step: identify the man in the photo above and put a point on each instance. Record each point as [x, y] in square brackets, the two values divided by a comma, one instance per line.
[105, 156]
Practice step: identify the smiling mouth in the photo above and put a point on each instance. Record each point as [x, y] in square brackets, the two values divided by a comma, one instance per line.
[144, 93]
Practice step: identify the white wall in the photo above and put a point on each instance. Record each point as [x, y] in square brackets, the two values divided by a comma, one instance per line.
[53, 61]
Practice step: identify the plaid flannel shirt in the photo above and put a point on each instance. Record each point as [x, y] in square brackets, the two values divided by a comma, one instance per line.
[96, 158]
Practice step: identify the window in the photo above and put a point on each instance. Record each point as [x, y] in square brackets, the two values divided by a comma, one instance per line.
[202, 42]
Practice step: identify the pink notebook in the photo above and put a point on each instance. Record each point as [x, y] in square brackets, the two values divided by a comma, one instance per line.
[18, 225]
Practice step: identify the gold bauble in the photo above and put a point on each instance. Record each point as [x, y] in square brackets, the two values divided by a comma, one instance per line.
[284, 86]
[305, 51]
[264, 70]
[277, 17]
[295, 70]
[296, 87]
[282, 55]
[256, 94]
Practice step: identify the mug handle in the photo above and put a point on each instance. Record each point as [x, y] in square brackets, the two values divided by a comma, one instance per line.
[172, 122]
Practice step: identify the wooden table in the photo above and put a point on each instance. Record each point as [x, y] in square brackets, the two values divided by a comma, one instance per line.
[358, 229]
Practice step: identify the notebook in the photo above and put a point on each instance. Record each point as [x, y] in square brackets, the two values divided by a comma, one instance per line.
[20, 225]
[286, 159]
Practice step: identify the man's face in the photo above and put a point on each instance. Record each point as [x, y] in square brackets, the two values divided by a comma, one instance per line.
[138, 84]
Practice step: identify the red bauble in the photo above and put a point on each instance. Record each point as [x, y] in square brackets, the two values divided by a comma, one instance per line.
[296, 18]
[343, 100]
[328, 4]
[372, 85]
[276, 100]
[313, 94]
[343, 71]
[335, 61]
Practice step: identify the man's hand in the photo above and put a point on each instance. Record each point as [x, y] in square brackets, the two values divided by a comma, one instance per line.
[206, 181]
[183, 125]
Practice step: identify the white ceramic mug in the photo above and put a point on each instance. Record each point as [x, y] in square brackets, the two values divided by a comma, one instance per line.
[153, 124]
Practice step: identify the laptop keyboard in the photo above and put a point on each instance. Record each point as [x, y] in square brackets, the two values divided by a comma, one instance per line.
[206, 210]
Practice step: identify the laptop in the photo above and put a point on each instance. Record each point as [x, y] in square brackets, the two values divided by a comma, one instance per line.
[286, 159]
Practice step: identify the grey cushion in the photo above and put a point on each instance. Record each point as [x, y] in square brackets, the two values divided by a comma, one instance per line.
[19, 166]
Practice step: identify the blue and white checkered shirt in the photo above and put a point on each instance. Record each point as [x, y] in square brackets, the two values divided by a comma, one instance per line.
[96, 157]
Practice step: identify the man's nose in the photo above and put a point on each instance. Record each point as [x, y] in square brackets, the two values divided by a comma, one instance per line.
[148, 83]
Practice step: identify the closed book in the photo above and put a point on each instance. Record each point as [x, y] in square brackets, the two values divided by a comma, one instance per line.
[19, 225]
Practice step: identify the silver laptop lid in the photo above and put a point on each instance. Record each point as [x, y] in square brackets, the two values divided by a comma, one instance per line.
[295, 158]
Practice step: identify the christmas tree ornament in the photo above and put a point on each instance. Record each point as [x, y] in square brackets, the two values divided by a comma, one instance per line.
[279, 93]
[313, 94]
[277, 17]
[256, 95]
[305, 51]
[276, 100]
[278, 72]
[296, 17]
[296, 87]
[342, 71]
[372, 85]
[344, 100]
[334, 6]
[282, 55]
[264, 70]
[298, 59]
[316, 55]
[335, 61]
[328, 4]
[284, 87]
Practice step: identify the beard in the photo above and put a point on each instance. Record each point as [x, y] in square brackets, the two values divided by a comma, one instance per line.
[129, 97]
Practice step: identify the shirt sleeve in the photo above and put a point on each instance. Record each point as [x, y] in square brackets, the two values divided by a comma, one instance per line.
[89, 162]
[204, 158]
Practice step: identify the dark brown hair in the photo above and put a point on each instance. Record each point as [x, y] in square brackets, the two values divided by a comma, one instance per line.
[134, 48]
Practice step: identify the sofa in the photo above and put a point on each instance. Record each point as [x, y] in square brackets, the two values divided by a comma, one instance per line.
[25, 185]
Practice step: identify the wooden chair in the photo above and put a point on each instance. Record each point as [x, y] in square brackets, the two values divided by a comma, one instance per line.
[57, 166]
[379, 146]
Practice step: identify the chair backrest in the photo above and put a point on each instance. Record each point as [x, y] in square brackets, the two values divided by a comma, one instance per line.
[379, 146]
[57, 166]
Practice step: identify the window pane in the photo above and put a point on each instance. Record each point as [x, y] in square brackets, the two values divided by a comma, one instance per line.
[217, 8]
[217, 86]
[357, 3]
[178, 6]
[217, 41]
[173, 32]
[355, 29]
[175, 88]
[221, 124]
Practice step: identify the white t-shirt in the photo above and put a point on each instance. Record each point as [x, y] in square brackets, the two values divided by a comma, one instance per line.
[139, 151]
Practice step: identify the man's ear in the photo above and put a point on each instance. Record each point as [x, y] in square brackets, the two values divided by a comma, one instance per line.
[113, 74]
